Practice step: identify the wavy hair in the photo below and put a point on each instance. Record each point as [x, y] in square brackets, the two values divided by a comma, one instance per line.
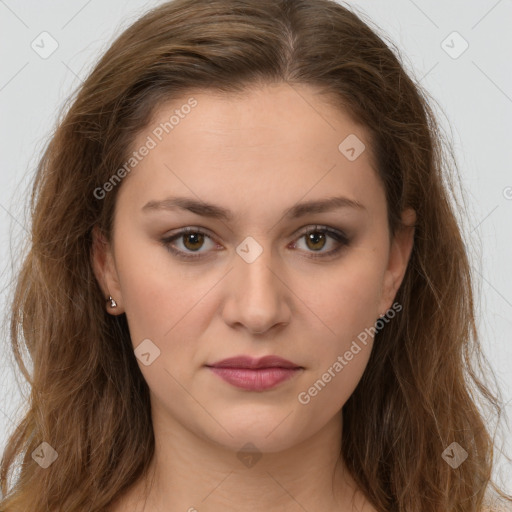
[425, 381]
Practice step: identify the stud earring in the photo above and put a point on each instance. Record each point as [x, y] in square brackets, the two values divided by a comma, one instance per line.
[111, 302]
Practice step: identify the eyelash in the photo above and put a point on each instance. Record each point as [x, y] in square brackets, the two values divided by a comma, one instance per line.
[336, 235]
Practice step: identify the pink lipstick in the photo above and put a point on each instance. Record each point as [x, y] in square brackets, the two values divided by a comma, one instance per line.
[253, 374]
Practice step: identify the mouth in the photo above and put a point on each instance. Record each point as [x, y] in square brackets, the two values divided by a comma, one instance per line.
[251, 374]
[252, 363]
[255, 379]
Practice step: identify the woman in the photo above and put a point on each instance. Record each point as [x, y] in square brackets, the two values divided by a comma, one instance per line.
[246, 287]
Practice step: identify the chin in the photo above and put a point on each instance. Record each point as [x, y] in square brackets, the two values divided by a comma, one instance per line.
[264, 435]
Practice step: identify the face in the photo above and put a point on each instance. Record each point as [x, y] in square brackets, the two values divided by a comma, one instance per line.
[259, 273]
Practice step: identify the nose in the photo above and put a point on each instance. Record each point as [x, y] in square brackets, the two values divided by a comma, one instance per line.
[257, 297]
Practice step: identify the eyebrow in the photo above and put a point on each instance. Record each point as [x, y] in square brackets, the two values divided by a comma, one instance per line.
[218, 212]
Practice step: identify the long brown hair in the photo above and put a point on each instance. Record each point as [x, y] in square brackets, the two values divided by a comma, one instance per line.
[89, 402]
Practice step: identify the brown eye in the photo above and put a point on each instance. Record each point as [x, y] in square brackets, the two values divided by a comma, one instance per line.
[316, 240]
[193, 241]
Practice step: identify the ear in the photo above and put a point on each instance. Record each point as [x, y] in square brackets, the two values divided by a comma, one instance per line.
[399, 255]
[104, 268]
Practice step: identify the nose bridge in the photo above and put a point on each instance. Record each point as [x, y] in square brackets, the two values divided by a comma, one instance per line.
[258, 275]
[255, 271]
[256, 295]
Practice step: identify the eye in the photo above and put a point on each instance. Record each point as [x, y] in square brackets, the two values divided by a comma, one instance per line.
[193, 240]
[316, 239]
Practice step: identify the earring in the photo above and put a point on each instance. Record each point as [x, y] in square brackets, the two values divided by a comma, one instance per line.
[113, 303]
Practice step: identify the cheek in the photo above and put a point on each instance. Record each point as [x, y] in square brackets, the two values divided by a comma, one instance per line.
[163, 303]
[337, 379]
[333, 380]
[154, 296]
[347, 306]
[351, 295]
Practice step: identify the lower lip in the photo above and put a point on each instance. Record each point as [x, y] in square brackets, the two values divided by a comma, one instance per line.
[257, 379]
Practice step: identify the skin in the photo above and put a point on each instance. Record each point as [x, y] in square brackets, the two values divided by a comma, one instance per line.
[257, 155]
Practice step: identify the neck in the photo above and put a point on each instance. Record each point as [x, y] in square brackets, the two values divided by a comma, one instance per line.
[191, 473]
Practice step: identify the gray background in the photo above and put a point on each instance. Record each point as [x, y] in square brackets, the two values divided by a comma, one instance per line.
[473, 94]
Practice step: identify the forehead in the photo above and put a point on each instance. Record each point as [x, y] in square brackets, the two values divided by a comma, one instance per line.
[267, 143]
[284, 111]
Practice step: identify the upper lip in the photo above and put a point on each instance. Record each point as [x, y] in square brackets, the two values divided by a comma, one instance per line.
[251, 362]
